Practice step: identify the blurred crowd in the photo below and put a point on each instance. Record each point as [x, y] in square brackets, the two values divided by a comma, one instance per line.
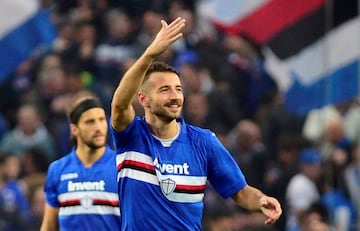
[310, 163]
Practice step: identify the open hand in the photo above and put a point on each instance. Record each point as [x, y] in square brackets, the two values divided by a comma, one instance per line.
[167, 35]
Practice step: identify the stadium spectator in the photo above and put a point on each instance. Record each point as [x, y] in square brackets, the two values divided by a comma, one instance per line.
[119, 44]
[352, 179]
[196, 110]
[29, 131]
[37, 201]
[303, 188]
[248, 151]
[34, 165]
[14, 205]
[316, 218]
[317, 119]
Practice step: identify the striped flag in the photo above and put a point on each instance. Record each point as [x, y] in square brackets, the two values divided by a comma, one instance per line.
[24, 27]
[311, 48]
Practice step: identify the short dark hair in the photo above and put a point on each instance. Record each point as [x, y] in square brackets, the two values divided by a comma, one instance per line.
[158, 66]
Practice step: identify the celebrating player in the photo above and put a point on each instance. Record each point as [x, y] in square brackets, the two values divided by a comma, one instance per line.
[164, 163]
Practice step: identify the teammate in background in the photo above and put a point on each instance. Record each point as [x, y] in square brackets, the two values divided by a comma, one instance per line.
[163, 163]
[81, 188]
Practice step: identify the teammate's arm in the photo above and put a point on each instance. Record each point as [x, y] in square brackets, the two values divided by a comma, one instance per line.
[122, 112]
[50, 219]
[253, 199]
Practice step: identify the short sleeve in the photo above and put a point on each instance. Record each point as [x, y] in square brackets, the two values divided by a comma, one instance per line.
[51, 187]
[224, 173]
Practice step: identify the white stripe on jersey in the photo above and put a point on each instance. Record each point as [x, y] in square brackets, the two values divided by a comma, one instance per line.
[185, 197]
[145, 159]
[94, 209]
[88, 194]
[153, 179]
[136, 156]
[187, 180]
[138, 175]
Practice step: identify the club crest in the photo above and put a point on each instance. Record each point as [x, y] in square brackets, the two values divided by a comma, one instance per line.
[167, 186]
[86, 201]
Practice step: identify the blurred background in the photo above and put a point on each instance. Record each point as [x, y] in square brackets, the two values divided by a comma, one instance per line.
[277, 81]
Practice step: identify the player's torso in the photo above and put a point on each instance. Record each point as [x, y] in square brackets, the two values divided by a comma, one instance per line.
[167, 183]
[88, 196]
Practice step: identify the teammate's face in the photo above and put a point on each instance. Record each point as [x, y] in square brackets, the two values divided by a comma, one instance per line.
[92, 128]
[164, 97]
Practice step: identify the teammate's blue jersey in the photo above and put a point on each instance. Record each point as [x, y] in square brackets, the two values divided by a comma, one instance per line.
[86, 196]
[162, 188]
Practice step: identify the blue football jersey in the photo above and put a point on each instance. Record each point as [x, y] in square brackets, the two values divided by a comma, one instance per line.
[162, 188]
[86, 196]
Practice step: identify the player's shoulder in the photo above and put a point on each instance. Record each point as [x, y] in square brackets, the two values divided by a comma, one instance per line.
[62, 161]
[201, 136]
[198, 131]
[109, 150]
[110, 153]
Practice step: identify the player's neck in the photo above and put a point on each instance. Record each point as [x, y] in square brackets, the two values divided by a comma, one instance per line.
[88, 156]
[163, 130]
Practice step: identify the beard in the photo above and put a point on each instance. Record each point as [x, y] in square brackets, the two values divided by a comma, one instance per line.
[91, 143]
[162, 112]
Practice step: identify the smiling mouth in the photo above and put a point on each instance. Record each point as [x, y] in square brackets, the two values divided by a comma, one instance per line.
[174, 106]
[173, 103]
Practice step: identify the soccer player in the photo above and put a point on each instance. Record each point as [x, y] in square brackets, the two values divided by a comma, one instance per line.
[81, 187]
[163, 163]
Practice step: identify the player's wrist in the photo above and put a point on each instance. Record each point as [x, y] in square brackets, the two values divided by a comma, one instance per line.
[150, 54]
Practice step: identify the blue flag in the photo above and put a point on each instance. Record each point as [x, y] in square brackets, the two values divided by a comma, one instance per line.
[24, 28]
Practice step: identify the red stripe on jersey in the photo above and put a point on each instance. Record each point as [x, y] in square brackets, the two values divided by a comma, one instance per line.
[70, 203]
[106, 202]
[191, 187]
[135, 164]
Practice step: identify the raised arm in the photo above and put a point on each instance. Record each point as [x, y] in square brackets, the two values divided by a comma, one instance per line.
[122, 112]
[253, 199]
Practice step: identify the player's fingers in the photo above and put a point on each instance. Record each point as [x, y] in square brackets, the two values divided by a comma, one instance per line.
[163, 24]
[269, 221]
[175, 31]
[176, 37]
[176, 21]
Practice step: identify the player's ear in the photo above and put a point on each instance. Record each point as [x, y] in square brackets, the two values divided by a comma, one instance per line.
[73, 129]
[143, 99]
